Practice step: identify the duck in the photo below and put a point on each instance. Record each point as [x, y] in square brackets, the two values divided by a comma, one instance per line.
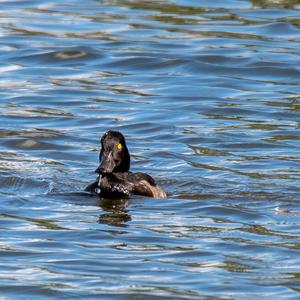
[114, 178]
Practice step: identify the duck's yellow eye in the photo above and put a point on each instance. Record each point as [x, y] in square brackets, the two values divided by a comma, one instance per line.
[120, 147]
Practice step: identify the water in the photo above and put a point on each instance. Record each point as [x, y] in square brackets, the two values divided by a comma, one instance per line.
[207, 95]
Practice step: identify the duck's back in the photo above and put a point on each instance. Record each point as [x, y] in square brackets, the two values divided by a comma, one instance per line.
[144, 185]
[119, 184]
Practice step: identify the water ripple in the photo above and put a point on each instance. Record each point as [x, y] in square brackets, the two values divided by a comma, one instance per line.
[207, 95]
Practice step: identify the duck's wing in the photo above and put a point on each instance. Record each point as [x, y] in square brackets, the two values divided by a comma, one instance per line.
[145, 185]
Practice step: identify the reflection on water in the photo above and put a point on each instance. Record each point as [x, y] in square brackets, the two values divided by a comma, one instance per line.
[115, 212]
[207, 95]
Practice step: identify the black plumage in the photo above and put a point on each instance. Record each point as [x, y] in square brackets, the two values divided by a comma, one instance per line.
[115, 180]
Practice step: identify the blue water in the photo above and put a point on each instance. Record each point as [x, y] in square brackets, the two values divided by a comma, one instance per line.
[207, 95]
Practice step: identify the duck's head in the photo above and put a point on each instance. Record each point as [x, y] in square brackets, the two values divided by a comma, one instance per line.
[114, 155]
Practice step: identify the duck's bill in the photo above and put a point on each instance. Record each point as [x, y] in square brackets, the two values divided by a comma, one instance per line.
[107, 164]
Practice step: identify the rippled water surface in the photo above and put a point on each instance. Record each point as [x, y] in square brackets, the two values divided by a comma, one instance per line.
[207, 95]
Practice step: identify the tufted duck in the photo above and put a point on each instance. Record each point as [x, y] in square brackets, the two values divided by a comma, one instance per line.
[115, 180]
